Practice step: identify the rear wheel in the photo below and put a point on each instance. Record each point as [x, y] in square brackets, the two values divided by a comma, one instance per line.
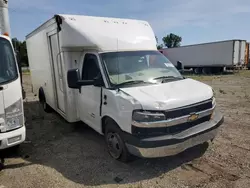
[45, 106]
[206, 70]
[115, 144]
[197, 70]
[216, 70]
[42, 100]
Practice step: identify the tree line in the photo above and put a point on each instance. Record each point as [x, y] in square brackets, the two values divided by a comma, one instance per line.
[21, 52]
[169, 41]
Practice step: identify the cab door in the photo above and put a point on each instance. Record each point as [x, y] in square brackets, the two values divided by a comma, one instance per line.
[89, 97]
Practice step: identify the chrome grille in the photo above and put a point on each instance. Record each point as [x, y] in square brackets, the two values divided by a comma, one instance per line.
[183, 111]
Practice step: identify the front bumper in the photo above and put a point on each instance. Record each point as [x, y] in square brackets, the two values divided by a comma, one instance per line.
[12, 138]
[168, 145]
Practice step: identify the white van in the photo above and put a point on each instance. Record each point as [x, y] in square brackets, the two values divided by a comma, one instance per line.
[108, 73]
[12, 128]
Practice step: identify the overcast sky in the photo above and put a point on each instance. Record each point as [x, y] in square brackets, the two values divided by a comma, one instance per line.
[196, 21]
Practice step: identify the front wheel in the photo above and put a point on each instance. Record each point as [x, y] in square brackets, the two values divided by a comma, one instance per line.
[115, 144]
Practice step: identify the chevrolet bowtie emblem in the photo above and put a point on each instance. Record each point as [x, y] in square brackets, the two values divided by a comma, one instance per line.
[193, 117]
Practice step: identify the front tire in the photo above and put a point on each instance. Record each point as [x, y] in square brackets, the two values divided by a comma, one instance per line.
[115, 144]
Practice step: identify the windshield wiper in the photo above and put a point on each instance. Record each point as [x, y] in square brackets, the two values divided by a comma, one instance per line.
[168, 77]
[131, 83]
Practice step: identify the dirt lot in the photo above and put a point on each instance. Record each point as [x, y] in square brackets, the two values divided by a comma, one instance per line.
[58, 154]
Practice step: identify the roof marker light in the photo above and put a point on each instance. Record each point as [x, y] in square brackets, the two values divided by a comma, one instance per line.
[6, 34]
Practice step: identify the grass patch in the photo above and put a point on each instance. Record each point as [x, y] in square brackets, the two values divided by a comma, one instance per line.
[242, 73]
[202, 77]
[245, 73]
[27, 72]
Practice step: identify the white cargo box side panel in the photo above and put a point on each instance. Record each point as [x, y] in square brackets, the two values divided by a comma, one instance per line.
[210, 54]
[40, 68]
[72, 58]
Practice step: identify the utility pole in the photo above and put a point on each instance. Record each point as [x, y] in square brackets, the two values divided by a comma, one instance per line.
[4, 18]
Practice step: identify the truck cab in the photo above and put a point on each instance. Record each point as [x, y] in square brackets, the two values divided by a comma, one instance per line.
[142, 104]
[12, 129]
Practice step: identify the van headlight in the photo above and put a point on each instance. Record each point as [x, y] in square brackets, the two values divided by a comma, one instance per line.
[147, 116]
[213, 102]
[213, 106]
[14, 116]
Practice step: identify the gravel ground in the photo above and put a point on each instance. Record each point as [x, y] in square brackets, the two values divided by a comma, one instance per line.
[59, 154]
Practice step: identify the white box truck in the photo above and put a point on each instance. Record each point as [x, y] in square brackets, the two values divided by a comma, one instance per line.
[209, 57]
[12, 128]
[108, 73]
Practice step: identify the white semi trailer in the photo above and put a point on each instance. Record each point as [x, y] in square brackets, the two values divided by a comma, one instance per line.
[209, 57]
[12, 128]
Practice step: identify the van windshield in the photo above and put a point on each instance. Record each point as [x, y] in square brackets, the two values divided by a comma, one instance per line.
[8, 67]
[138, 67]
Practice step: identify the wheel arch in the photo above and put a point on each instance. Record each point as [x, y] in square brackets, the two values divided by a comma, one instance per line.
[104, 121]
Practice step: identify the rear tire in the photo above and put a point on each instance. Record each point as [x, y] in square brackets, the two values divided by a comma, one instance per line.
[215, 70]
[206, 70]
[197, 70]
[45, 106]
[115, 144]
[42, 100]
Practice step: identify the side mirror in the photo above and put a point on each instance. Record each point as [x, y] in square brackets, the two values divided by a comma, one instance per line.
[75, 82]
[73, 78]
[98, 81]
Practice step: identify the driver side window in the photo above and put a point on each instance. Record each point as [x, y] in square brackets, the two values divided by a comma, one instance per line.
[90, 68]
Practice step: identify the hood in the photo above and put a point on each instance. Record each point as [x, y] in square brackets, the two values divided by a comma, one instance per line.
[170, 95]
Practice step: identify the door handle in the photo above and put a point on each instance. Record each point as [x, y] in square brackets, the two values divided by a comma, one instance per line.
[105, 100]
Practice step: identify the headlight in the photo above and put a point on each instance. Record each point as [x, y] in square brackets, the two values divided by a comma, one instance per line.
[14, 116]
[2, 118]
[213, 102]
[146, 116]
[14, 110]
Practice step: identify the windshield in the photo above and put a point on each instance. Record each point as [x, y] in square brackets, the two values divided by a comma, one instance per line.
[8, 69]
[148, 66]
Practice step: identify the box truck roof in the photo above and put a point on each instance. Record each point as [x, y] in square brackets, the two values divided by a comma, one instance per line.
[104, 34]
